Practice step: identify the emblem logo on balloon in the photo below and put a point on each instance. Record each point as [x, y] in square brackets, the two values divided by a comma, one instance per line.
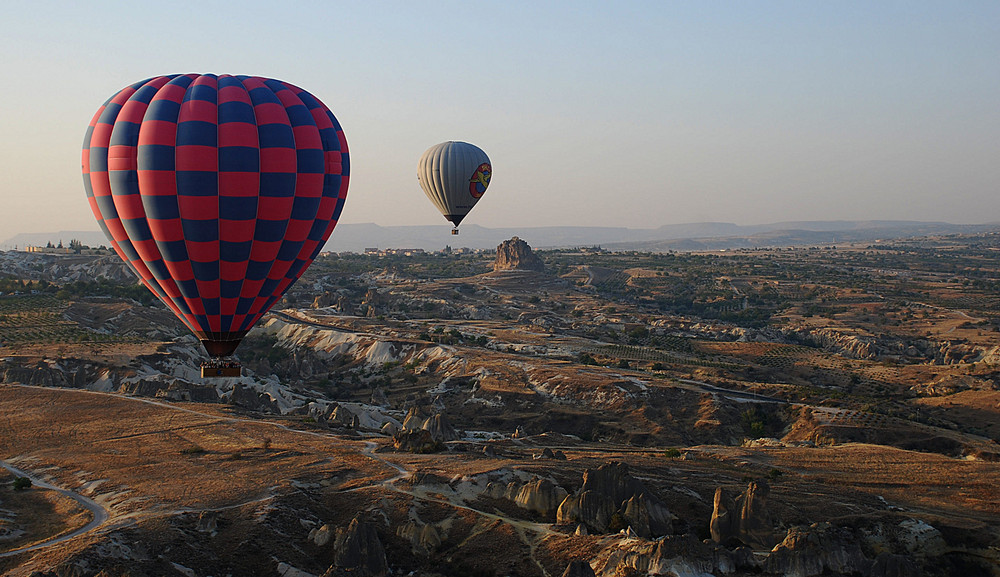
[480, 180]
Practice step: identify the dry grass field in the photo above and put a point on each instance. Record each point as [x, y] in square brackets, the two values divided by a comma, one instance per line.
[35, 514]
[160, 457]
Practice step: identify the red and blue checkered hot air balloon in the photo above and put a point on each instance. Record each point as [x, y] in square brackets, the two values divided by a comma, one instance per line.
[218, 191]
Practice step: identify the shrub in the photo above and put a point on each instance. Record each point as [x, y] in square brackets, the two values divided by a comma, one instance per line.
[672, 453]
[192, 450]
[22, 483]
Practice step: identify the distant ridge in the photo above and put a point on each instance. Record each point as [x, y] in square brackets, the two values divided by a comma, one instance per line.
[94, 238]
[681, 237]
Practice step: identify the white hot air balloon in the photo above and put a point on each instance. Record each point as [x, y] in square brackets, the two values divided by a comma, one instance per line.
[454, 175]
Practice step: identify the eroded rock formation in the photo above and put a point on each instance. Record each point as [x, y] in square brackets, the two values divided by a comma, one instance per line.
[515, 254]
[745, 519]
[611, 499]
[579, 569]
[358, 551]
[539, 495]
[818, 549]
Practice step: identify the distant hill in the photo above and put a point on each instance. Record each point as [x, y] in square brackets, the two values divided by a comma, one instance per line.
[94, 238]
[693, 236]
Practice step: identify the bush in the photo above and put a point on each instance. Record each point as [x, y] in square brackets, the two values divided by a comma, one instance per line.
[192, 450]
[22, 483]
[672, 453]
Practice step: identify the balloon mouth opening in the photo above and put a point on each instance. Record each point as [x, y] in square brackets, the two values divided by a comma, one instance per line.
[220, 345]
[220, 348]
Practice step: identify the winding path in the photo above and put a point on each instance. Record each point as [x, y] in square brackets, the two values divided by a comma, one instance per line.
[100, 514]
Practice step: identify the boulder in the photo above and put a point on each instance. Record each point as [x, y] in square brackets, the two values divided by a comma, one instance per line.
[545, 454]
[515, 254]
[208, 522]
[321, 536]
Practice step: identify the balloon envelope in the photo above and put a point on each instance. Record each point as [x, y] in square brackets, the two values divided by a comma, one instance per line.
[454, 176]
[218, 191]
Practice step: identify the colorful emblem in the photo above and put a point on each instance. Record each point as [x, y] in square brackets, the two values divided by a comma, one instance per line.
[480, 180]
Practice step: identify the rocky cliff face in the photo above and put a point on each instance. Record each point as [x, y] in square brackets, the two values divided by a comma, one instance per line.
[515, 254]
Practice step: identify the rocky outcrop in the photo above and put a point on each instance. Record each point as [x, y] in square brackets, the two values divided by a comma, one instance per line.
[539, 495]
[324, 300]
[41, 375]
[745, 519]
[515, 254]
[579, 569]
[848, 344]
[818, 549]
[342, 416]
[358, 552]
[674, 555]
[208, 522]
[414, 420]
[416, 441]
[174, 390]
[321, 536]
[424, 538]
[440, 429]
[610, 499]
[253, 400]
[437, 425]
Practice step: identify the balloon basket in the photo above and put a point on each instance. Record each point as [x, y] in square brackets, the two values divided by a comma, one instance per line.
[454, 231]
[218, 369]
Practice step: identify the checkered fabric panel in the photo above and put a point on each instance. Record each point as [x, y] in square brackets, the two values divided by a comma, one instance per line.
[218, 191]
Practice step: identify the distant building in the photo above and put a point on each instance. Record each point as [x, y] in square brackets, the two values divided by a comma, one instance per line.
[394, 251]
[48, 250]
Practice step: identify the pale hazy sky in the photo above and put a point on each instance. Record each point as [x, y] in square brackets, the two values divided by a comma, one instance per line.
[593, 113]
